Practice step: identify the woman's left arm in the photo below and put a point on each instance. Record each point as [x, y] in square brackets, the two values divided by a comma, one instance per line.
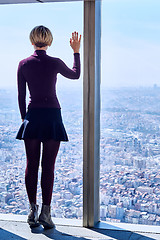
[21, 91]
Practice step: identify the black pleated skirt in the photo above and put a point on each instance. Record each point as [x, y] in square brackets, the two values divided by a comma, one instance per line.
[43, 124]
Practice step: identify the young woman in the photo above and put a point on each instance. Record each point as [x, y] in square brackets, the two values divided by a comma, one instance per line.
[42, 122]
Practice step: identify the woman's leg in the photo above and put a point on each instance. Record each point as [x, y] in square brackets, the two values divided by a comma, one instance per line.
[50, 150]
[33, 147]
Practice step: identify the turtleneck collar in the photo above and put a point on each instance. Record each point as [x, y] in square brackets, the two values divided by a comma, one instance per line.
[39, 53]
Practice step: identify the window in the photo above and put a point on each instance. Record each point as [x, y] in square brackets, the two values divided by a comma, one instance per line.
[16, 23]
[130, 149]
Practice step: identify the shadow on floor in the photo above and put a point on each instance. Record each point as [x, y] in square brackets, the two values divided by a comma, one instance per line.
[6, 235]
[50, 234]
[55, 234]
[122, 235]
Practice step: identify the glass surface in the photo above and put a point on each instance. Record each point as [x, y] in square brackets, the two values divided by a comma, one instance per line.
[17, 21]
[130, 116]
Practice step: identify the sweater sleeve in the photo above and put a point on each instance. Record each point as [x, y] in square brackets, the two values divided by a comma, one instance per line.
[73, 73]
[21, 91]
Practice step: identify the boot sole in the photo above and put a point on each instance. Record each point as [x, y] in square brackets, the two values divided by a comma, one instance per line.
[46, 225]
[34, 225]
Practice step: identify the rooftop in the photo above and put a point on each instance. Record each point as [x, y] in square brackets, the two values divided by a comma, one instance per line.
[15, 227]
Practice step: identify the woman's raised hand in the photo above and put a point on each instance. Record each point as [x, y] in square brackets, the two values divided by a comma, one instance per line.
[75, 42]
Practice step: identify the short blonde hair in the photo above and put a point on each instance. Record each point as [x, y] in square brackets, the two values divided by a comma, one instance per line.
[41, 36]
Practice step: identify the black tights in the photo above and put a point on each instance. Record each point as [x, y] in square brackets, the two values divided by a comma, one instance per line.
[49, 153]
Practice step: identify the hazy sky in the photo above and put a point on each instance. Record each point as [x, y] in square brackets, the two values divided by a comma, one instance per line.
[130, 39]
[16, 22]
[131, 42]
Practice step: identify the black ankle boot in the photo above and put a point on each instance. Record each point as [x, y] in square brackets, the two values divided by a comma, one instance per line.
[33, 216]
[45, 217]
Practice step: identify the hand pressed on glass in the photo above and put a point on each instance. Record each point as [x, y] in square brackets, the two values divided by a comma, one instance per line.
[75, 42]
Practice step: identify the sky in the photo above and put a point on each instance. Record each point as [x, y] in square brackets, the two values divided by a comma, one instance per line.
[16, 22]
[130, 40]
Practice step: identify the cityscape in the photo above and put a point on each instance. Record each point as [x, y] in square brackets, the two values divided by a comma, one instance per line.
[129, 157]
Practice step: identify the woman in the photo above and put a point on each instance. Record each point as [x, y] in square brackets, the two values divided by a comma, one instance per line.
[42, 122]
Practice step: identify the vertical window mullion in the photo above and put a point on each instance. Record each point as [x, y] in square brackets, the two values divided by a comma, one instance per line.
[91, 112]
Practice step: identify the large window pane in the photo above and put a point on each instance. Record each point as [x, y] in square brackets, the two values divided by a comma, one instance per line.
[130, 119]
[16, 22]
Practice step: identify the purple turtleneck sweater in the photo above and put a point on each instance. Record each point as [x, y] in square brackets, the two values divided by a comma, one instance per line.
[39, 72]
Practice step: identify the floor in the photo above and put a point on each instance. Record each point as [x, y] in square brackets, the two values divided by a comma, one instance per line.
[16, 228]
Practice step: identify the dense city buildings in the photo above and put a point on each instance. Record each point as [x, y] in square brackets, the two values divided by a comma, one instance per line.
[130, 157]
